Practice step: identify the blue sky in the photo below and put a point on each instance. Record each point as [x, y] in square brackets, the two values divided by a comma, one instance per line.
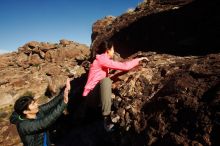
[51, 20]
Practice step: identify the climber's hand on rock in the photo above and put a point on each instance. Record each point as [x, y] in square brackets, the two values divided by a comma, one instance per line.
[143, 58]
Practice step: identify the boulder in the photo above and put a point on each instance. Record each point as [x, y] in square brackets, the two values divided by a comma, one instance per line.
[6, 100]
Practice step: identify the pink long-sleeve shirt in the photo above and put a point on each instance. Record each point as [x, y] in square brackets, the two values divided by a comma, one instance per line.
[99, 70]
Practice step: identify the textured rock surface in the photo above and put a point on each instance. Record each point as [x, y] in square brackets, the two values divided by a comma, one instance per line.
[42, 64]
[171, 100]
[180, 27]
[8, 133]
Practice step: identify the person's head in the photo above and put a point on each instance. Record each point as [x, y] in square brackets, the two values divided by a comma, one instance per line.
[106, 47]
[26, 106]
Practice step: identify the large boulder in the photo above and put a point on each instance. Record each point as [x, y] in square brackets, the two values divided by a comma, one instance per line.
[178, 27]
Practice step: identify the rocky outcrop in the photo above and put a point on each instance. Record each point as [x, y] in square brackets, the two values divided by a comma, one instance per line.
[178, 27]
[170, 101]
[8, 132]
[40, 63]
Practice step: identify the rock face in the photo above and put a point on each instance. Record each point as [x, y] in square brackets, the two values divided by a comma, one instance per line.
[179, 27]
[43, 64]
[8, 133]
[170, 101]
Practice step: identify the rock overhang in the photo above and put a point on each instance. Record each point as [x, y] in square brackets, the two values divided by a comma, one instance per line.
[178, 27]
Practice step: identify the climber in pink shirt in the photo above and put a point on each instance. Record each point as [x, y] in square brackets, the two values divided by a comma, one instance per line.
[99, 82]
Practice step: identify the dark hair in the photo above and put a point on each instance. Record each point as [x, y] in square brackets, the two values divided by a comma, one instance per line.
[22, 104]
[104, 46]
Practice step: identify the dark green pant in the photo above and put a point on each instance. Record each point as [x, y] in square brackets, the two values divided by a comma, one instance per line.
[101, 94]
